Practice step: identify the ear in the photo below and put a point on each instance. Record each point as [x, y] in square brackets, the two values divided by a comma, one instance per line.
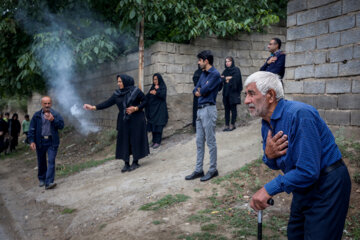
[271, 96]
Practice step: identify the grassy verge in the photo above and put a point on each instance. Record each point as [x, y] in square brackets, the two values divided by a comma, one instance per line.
[225, 216]
[164, 202]
[66, 170]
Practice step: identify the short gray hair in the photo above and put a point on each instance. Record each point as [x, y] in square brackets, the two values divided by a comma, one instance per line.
[265, 81]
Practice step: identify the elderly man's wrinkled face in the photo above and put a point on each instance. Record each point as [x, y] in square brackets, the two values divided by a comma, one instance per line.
[256, 102]
[46, 104]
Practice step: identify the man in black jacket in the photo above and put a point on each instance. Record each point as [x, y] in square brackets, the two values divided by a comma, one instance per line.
[44, 138]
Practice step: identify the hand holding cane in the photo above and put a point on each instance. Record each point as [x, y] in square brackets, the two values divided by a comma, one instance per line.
[270, 202]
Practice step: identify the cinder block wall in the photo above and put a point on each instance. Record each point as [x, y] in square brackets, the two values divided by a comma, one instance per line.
[176, 63]
[323, 58]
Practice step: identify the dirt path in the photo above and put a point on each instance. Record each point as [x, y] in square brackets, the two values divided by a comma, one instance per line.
[106, 202]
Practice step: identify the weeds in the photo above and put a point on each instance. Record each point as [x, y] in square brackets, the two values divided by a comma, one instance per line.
[157, 222]
[209, 227]
[199, 218]
[203, 236]
[68, 210]
[65, 170]
[165, 202]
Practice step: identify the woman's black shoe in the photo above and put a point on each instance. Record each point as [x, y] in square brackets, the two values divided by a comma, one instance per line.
[134, 166]
[126, 168]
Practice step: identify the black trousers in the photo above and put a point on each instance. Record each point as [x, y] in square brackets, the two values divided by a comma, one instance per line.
[195, 108]
[319, 213]
[229, 107]
[156, 137]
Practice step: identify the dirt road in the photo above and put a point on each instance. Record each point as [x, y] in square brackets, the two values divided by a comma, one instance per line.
[106, 202]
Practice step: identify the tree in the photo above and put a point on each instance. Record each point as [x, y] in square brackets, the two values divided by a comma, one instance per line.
[96, 31]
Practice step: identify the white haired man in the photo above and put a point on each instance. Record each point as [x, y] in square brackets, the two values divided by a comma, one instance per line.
[297, 141]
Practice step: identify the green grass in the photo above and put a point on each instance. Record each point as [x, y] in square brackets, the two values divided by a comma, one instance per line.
[157, 222]
[164, 202]
[66, 170]
[68, 210]
[199, 218]
[352, 226]
[209, 227]
[203, 236]
[198, 190]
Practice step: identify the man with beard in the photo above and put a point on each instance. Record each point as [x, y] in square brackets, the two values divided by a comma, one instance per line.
[206, 89]
[44, 138]
[297, 141]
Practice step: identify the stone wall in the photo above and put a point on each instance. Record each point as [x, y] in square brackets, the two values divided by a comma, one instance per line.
[323, 58]
[176, 63]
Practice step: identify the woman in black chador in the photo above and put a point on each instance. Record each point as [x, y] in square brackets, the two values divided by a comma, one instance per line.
[232, 87]
[14, 128]
[132, 137]
[156, 109]
[196, 78]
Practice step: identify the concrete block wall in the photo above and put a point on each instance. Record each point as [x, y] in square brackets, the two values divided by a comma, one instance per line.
[323, 58]
[177, 64]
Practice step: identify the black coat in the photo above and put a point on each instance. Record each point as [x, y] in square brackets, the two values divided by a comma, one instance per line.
[14, 127]
[156, 108]
[132, 136]
[232, 90]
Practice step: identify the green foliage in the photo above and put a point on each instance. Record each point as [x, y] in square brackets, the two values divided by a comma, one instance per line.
[180, 21]
[95, 31]
[165, 202]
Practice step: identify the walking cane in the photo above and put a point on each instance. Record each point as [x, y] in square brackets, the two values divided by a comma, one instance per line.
[270, 202]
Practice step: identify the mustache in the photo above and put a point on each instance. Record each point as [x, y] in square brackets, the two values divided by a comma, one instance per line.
[251, 105]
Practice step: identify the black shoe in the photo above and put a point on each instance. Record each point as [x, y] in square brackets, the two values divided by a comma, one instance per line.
[134, 166]
[226, 129]
[50, 186]
[155, 146]
[232, 129]
[194, 175]
[209, 175]
[125, 168]
[41, 183]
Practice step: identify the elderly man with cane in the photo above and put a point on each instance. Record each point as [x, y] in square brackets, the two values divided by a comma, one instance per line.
[298, 141]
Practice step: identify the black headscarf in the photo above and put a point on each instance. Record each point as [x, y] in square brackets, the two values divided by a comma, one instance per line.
[129, 92]
[160, 81]
[235, 86]
[156, 109]
[128, 83]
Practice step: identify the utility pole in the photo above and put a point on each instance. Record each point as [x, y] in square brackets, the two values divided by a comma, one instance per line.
[141, 54]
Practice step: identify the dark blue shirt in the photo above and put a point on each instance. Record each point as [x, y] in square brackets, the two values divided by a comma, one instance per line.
[277, 67]
[45, 130]
[311, 146]
[208, 83]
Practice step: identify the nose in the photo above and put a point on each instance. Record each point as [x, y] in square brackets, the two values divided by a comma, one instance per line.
[247, 100]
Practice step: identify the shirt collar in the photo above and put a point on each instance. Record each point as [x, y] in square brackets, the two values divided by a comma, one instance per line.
[278, 110]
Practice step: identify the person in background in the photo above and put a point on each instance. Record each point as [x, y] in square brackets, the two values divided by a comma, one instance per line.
[14, 130]
[6, 142]
[131, 126]
[3, 126]
[25, 127]
[232, 87]
[206, 89]
[156, 109]
[196, 78]
[276, 62]
[43, 137]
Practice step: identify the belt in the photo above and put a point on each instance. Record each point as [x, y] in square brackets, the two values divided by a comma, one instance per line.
[46, 137]
[333, 166]
[205, 105]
